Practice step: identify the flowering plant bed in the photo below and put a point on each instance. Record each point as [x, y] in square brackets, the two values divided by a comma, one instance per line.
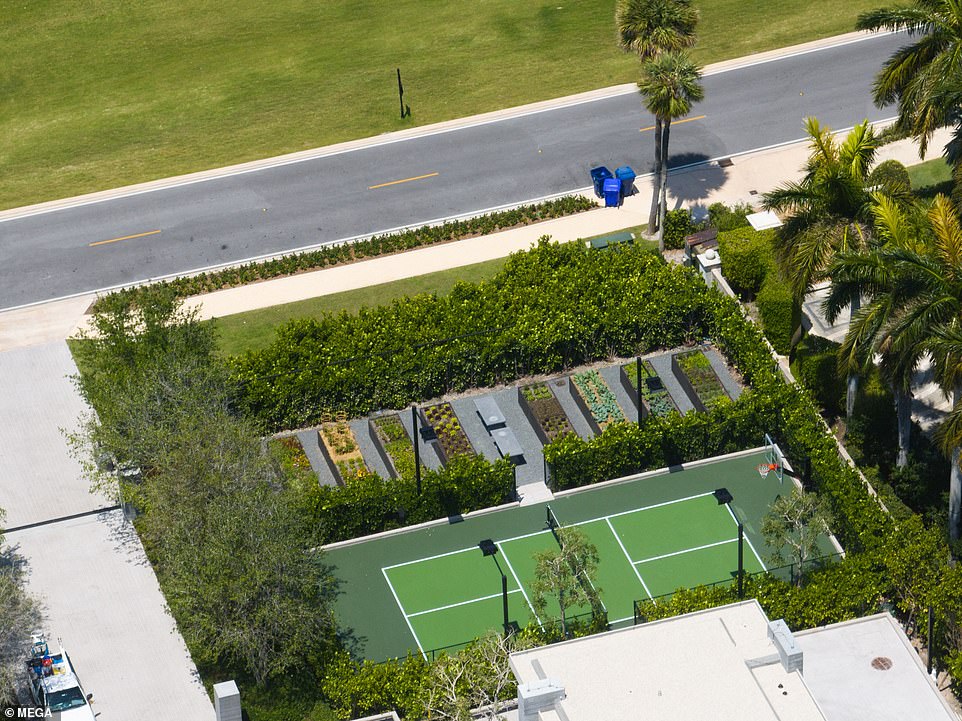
[393, 438]
[452, 440]
[696, 375]
[544, 412]
[654, 395]
[289, 451]
[339, 445]
[596, 397]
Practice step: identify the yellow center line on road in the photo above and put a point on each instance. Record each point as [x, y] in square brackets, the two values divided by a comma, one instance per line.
[675, 122]
[405, 180]
[126, 237]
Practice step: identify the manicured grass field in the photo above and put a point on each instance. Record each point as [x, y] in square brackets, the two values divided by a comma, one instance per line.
[254, 330]
[931, 177]
[97, 95]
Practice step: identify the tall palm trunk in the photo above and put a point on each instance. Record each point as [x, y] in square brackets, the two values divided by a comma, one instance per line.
[656, 178]
[852, 384]
[903, 415]
[663, 185]
[955, 479]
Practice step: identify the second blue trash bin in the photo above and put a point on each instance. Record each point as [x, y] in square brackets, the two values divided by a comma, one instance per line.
[612, 190]
[627, 177]
[598, 176]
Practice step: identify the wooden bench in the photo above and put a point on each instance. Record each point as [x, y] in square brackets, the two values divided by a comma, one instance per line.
[613, 239]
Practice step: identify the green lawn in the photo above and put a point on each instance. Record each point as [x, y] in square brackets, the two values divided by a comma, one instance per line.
[931, 177]
[255, 329]
[101, 94]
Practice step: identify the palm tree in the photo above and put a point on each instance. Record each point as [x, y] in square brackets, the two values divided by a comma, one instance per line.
[926, 291]
[869, 334]
[923, 76]
[650, 28]
[669, 84]
[829, 212]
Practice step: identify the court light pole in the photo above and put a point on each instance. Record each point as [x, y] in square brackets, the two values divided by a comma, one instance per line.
[417, 448]
[490, 548]
[724, 498]
[638, 382]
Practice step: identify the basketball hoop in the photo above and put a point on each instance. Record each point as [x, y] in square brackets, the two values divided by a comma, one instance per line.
[765, 468]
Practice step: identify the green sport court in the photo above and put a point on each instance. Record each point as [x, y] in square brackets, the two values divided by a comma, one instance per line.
[430, 587]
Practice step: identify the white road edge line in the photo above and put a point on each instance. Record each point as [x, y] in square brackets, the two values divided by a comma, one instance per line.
[281, 162]
[406, 619]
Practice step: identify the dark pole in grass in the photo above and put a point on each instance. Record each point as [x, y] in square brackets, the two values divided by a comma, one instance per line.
[400, 92]
[741, 561]
[504, 599]
[417, 449]
[638, 389]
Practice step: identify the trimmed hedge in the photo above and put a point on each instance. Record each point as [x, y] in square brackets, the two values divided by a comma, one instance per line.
[780, 313]
[549, 308]
[678, 225]
[747, 257]
[816, 367]
[370, 504]
[374, 246]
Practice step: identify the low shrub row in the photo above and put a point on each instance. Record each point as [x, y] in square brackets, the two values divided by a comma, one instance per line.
[549, 308]
[779, 312]
[369, 504]
[374, 246]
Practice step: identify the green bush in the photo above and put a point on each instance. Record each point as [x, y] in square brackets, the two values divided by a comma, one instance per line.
[374, 246]
[724, 218]
[370, 505]
[779, 311]
[678, 225]
[891, 176]
[815, 366]
[363, 689]
[555, 306]
[746, 258]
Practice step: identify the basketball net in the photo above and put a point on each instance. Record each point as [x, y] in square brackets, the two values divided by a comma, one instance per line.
[765, 468]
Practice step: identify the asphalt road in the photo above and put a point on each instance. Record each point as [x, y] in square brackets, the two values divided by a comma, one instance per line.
[178, 229]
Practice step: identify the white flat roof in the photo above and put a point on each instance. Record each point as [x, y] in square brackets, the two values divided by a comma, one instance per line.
[839, 672]
[763, 220]
[717, 664]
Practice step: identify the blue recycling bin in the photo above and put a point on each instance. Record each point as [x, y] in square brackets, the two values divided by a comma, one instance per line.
[598, 176]
[612, 190]
[627, 177]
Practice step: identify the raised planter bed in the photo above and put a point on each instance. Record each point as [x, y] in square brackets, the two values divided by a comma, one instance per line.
[696, 375]
[544, 412]
[655, 398]
[451, 441]
[393, 444]
[596, 400]
[341, 451]
[290, 453]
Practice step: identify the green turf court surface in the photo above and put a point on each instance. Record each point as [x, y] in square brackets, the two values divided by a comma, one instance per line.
[429, 588]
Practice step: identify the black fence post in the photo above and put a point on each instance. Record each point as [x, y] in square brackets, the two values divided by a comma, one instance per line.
[741, 561]
[931, 639]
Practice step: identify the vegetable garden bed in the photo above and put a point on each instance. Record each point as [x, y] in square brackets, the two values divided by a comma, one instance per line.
[341, 450]
[290, 452]
[544, 412]
[452, 440]
[393, 444]
[655, 398]
[696, 375]
[596, 400]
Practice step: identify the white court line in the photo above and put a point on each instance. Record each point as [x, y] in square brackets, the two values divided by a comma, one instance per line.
[460, 603]
[747, 539]
[406, 619]
[431, 558]
[520, 587]
[687, 550]
[658, 505]
[630, 563]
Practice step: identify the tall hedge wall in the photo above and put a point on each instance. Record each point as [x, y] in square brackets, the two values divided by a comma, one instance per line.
[554, 306]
